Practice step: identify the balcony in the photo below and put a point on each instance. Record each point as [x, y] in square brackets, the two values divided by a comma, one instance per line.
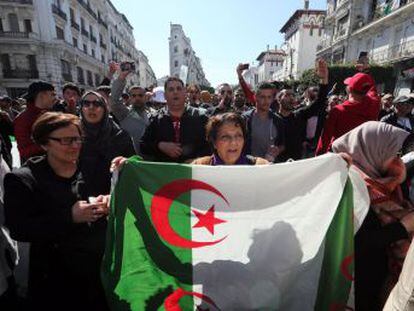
[394, 53]
[67, 77]
[88, 8]
[56, 10]
[75, 25]
[100, 21]
[93, 38]
[14, 34]
[18, 1]
[20, 74]
[84, 32]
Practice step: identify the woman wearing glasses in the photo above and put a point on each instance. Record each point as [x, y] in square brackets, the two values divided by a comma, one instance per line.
[46, 204]
[227, 135]
[104, 140]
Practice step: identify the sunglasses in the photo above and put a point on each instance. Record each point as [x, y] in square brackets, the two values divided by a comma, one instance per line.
[67, 141]
[89, 103]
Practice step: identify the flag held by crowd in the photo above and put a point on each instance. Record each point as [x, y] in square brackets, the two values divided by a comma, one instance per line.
[278, 237]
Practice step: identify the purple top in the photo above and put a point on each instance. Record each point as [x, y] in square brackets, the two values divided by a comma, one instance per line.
[241, 161]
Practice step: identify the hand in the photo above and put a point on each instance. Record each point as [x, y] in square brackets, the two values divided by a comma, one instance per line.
[408, 222]
[86, 212]
[105, 201]
[173, 150]
[346, 157]
[113, 67]
[239, 70]
[322, 70]
[117, 163]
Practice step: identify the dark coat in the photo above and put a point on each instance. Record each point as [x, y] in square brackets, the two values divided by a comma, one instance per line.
[64, 257]
[192, 135]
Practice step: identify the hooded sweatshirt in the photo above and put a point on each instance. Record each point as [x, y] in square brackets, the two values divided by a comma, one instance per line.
[344, 118]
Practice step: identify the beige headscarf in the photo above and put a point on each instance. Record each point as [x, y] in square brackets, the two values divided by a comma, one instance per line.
[370, 145]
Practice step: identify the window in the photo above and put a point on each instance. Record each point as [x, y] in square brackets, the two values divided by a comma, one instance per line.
[176, 49]
[75, 42]
[89, 78]
[93, 53]
[97, 79]
[82, 23]
[102, 58]
[72, 14]
[5, 61]
[28, 25]
[81, 77]
[320, 32]
[85, 48]
[32, 62]
[176, 63]
[59, 33]
[1, 25]
[14, 23]
[66, 70]
[311, 30]
[90, 30]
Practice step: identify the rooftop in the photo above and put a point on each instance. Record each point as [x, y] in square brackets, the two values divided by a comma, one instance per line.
[298, 14]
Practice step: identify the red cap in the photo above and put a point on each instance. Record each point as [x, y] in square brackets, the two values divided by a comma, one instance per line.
[360, 82]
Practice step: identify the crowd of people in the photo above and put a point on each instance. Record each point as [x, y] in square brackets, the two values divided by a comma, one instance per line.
[58, 199]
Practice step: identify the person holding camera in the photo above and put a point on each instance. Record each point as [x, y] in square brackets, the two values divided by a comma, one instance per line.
[134, 119]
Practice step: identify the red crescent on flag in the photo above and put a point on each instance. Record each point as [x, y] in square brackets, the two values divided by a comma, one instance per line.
[172, 301]
[161, 205]
[345, 267]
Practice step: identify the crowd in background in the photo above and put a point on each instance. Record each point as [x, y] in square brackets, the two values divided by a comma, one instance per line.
[58, 199]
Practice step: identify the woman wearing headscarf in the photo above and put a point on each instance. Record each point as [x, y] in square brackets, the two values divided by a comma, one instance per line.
[104, 140]
[385, 235]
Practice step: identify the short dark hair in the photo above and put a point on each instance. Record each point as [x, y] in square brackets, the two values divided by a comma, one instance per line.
[135, 87]
[104, 88]
[171, 79]
[71, 86]
[215, 122]
[265, 86]
[50, 122]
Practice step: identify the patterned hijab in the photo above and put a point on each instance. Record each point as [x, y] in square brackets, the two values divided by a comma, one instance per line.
[370, 145]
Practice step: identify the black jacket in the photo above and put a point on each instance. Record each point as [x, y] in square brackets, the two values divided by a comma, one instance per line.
[392, 119]
[371, 260]
[278, 122]
[64, 257]
[296, 124]
[192, 135]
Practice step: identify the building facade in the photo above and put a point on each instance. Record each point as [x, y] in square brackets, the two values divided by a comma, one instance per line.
[146, 74]
[303, 32]
[184, 63]
[251, 76]
[270, 62]
[383, 29]
[61, 41]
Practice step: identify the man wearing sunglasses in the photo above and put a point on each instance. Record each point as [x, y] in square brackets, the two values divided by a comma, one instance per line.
[225, 99]
[134, 119]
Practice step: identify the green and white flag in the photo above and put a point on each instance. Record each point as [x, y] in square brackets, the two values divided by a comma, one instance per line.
[277, 237]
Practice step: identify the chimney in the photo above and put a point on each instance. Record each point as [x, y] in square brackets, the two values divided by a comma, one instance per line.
[306, 4]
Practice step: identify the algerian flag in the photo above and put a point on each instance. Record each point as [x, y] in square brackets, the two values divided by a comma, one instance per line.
[276, 237]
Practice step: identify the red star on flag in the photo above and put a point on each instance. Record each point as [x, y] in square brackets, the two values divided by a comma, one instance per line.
[207, 220]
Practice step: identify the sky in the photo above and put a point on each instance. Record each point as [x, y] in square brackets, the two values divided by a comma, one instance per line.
[223, 33]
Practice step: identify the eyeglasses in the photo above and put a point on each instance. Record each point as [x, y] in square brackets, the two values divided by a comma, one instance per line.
[229, 138]
[67, 141]
[88, 103]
